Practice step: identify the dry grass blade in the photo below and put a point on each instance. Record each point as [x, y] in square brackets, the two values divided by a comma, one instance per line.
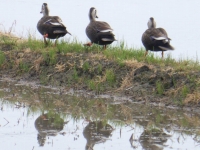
[37, 63]
[60, 67]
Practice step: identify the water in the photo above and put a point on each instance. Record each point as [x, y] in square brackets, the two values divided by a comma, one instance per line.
[36, 117]
[128, 19]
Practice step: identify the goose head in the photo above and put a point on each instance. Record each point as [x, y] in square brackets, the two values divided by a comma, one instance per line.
[92, 14]
[45, 9]
[151, 23]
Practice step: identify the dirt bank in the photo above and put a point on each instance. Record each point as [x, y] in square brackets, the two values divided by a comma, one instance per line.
[94, 72]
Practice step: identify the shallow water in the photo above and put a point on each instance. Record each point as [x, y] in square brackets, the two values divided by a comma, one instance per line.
[128, 19]
[36, 117]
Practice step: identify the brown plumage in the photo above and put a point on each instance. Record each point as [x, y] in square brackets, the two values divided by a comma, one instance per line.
[99, 32]
[51, 26]
[155, 39]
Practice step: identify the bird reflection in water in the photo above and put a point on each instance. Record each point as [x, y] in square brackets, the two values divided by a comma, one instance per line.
[96, 132]
[48, 125]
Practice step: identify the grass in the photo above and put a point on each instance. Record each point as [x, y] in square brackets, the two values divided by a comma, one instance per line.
[99, 67]
[75, 75]
[119, 53]
[24, 67]
[110, 76]
[159, 88]
[86, 66]
[2, 58]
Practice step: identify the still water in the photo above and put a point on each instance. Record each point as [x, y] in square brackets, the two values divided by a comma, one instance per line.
[43, 118]
[128, 19]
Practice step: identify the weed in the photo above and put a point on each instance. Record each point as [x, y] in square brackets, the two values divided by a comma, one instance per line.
[31, 43]
[159, 88]
[66, 46]
[99, 68]
[91, 85]
[110, 76]
[75, 75]
[52, 56]
[184, 91]
[86, 66]
[24, 67]
[2, 58]
[43, 78]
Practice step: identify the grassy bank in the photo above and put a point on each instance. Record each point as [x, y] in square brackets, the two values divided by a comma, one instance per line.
[118, 70]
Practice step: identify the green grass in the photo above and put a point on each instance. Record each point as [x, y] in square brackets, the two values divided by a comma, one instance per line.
[50, 56]
[119, 53]
[185, 90]
[2, 58]
[99, 68]
[91, 84]
[110, 76]
[7, 40]
[75, 75]
[86, 66]
[159, 88]
[24, 67]
[32, 43]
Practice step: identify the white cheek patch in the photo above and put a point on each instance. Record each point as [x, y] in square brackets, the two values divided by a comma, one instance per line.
[94, 13]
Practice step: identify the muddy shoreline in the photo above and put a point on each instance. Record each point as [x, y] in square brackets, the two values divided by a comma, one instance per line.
[94, 73]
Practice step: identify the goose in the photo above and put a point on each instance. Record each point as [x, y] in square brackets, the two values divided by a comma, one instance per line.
[98, 32]
[50, 26]
[155, 39]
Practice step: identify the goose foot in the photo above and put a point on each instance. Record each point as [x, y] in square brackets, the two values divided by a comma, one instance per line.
[88, 44]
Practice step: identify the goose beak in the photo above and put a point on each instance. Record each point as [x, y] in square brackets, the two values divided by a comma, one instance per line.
[97, 17]
[41, 12]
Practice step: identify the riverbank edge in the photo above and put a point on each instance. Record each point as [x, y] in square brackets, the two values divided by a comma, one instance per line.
[93, 71]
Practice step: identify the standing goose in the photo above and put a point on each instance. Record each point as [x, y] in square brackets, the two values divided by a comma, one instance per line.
[155, 39]
[50, 26]
[99, 32]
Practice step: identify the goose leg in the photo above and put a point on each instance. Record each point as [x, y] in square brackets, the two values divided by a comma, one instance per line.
[145, 54]
[45, 36]
[162, 54]
[104, 47]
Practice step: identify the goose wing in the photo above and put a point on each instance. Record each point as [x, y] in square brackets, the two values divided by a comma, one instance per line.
[54, 21]
[100, 26]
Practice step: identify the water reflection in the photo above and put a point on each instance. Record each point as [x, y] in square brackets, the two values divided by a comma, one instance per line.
[96, 132]
[153, 139]
[48, 125]
[151, 127]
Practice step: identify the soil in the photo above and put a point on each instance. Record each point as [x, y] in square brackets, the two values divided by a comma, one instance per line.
[139, 81]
